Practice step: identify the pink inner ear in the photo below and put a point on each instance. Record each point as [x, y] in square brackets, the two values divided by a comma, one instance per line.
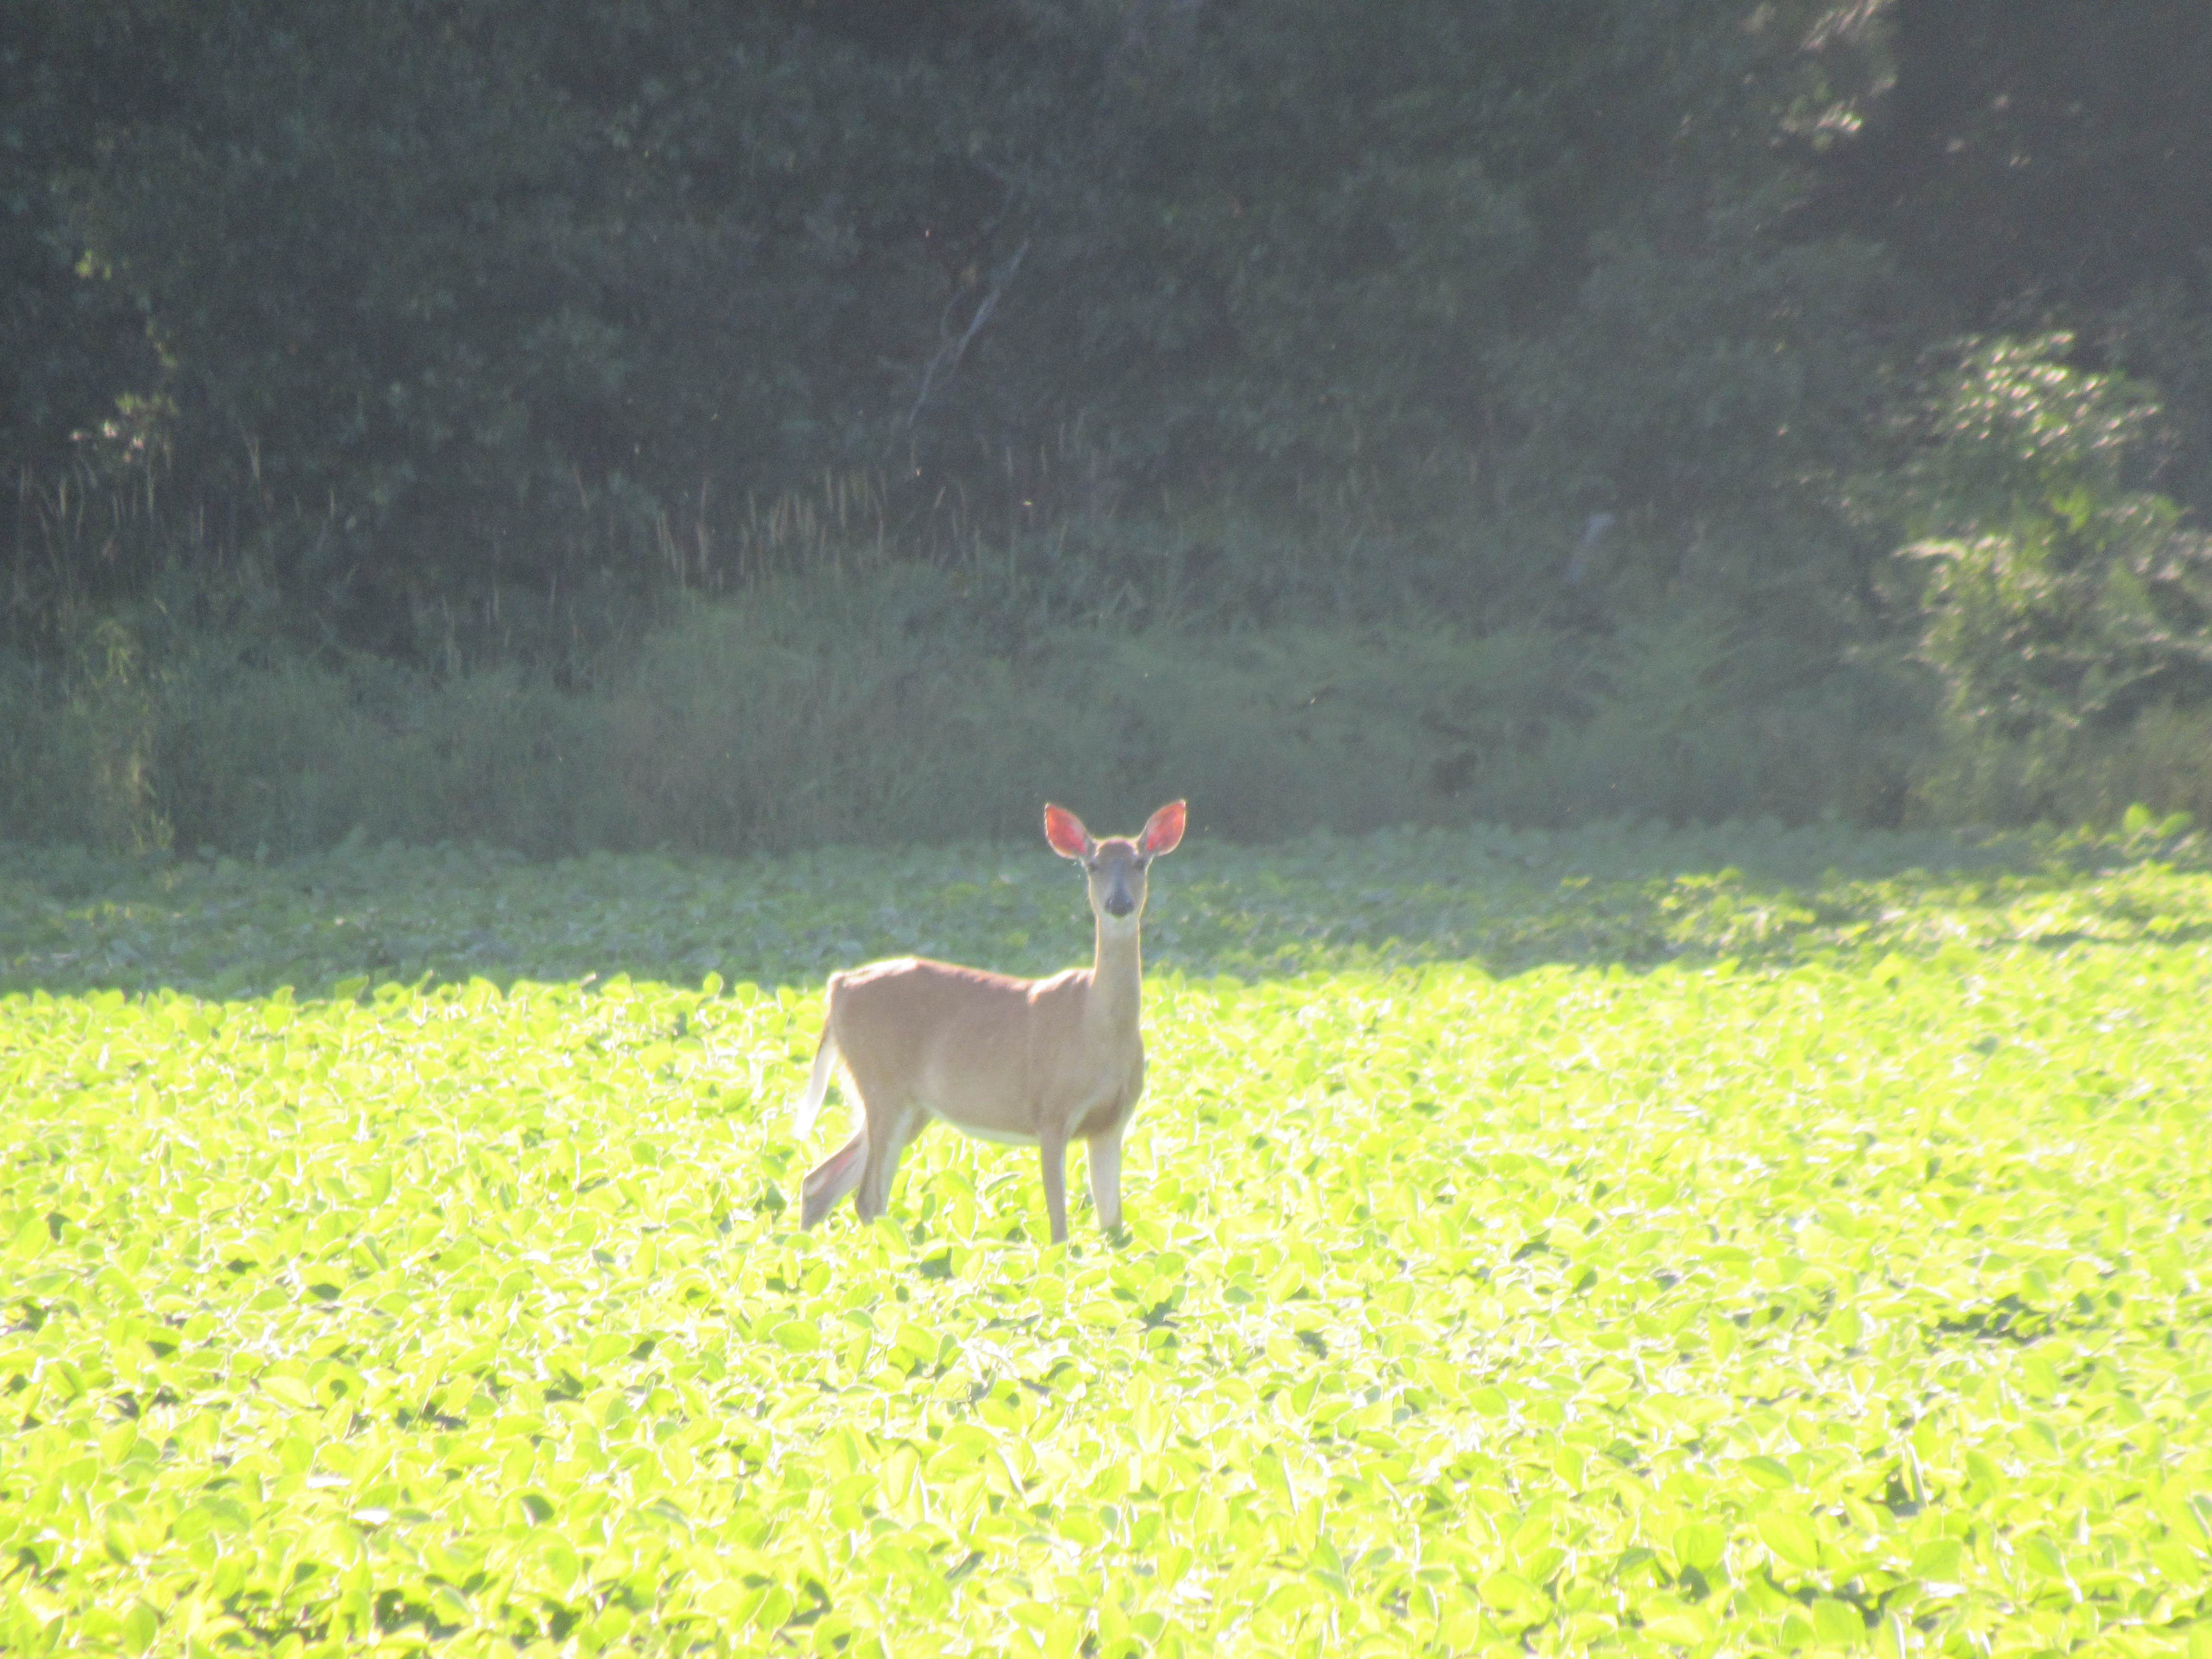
[1163, 829]
[1066, 832]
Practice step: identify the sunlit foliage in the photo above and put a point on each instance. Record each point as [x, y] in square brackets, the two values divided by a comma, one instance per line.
[1720, 1242]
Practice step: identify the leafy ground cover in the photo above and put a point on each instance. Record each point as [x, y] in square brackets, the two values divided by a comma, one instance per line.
[1710, 1241]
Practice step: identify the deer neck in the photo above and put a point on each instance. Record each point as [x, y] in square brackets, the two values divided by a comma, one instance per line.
[1117, 975]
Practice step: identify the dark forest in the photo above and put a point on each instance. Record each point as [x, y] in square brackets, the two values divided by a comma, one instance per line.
[601, 424]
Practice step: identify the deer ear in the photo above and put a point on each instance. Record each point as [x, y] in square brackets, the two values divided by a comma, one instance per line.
[1163, 830]
[1067, 834]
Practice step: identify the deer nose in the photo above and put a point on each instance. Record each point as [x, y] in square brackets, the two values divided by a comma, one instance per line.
[1119, 903]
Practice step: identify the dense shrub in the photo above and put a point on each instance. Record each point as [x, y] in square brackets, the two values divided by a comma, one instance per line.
[831, 710]
[2066, 610]
[2056, 599]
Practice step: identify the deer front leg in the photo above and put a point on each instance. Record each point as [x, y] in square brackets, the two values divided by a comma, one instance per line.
[1106, 1178]
[1052, 1149]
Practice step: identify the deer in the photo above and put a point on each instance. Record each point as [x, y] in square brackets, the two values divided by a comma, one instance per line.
[1024, 1062]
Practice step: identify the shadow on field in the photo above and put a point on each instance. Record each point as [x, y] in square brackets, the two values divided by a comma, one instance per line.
[1632, 896]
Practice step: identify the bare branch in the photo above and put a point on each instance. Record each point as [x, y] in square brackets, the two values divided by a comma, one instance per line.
[949, 356]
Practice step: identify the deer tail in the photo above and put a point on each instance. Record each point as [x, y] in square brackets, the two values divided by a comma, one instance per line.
[809, 1104]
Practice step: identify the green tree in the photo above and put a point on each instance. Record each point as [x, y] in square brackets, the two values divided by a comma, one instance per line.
[2056, 599]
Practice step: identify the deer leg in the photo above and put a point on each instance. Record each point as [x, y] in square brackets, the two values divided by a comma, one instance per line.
[1052, 1149]
[830, 1179]
[897, 1128]
[1105, 1162]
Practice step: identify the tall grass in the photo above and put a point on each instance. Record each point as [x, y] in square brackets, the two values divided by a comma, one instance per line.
[2161, 759]
[891, 704]
[846, 664]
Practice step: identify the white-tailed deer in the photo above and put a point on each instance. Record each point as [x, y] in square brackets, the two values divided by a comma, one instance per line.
[1035, 1062]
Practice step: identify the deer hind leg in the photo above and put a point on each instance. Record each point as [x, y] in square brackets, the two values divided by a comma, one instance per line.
[888, 1137]
[827, 1181]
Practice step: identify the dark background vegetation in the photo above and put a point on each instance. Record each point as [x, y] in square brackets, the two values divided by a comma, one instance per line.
[728, 426]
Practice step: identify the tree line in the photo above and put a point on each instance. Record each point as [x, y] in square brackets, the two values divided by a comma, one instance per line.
[1522, 309]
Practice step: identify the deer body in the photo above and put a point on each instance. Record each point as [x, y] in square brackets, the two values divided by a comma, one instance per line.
[1028, 1062]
